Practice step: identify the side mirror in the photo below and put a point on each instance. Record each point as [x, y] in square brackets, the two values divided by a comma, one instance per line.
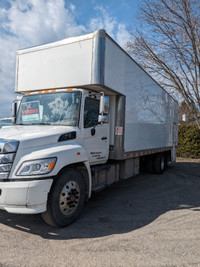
[104, 105]
[104, 109]
[103, 119]
[14, 111]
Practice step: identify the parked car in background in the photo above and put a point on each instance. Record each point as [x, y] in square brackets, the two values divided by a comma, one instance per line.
[5, 122]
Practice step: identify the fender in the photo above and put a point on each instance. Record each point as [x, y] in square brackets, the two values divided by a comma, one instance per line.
[66, 152]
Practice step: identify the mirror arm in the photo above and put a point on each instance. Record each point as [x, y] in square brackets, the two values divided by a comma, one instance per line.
[14, 112]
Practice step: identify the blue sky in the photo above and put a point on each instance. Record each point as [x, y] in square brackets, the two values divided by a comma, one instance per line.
[123, 11]
[25, 23]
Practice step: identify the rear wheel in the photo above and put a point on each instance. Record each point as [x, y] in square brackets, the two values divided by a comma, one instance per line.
[159, 163]
[66, 199]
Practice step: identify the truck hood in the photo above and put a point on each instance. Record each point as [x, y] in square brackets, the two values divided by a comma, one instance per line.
[37, 135]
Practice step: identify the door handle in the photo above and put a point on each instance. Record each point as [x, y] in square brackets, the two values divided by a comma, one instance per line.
[104, 138]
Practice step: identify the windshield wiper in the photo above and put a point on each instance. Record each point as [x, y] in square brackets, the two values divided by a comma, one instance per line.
[41, 123]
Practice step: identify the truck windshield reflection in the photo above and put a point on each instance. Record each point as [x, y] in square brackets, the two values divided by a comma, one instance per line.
[50, 109]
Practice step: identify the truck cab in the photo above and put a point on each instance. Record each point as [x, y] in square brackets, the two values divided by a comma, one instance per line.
[55, 132]
[77, 110]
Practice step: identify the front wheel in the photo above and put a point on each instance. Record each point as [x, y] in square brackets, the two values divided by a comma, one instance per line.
[66, 199]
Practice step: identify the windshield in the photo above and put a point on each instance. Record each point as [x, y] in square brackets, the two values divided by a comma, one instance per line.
[50, 109]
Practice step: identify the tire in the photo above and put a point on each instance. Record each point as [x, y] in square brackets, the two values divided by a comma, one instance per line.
[66, 199]
[159, 163]
[166, 162]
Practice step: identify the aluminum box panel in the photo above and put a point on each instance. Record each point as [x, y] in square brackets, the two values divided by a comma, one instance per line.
[95, 61]
[58, 66]
[150, 113]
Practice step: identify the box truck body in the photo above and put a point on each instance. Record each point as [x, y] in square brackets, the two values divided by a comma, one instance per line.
[89, 116]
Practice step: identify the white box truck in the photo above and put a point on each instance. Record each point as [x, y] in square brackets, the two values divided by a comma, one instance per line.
[89, 116]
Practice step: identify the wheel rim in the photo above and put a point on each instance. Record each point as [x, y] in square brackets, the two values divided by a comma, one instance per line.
[69, 197]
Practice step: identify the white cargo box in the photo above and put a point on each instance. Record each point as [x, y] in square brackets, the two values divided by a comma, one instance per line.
[95, 61]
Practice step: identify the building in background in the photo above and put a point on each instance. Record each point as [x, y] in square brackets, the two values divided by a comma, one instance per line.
[185, 116]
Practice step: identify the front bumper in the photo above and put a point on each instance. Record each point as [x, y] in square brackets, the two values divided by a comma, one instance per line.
[28, 197]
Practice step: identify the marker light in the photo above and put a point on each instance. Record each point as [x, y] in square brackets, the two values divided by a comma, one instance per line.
[36, 167]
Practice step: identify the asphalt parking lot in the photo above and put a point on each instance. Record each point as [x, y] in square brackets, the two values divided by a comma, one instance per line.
[148, 220]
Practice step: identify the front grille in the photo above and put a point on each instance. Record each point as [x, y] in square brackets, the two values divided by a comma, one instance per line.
[8, 149]
[6, 161]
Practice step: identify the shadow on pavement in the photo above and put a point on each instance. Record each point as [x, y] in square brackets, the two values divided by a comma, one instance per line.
[124, 207]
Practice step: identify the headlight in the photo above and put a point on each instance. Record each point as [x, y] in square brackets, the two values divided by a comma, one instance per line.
[36, 167]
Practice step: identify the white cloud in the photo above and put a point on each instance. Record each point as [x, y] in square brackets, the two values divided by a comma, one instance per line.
[38, 21]
[32, 22]
[118, 31]
[27, 23]
[7, 74]
[122, 35]
[103, 21]
[72, 7]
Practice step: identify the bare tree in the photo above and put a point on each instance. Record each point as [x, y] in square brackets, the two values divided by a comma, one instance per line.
[167, 45]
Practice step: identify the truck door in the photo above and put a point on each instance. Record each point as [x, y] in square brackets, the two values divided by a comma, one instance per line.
[95, 136]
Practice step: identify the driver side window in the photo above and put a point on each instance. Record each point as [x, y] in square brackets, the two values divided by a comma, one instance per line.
[91, 112]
